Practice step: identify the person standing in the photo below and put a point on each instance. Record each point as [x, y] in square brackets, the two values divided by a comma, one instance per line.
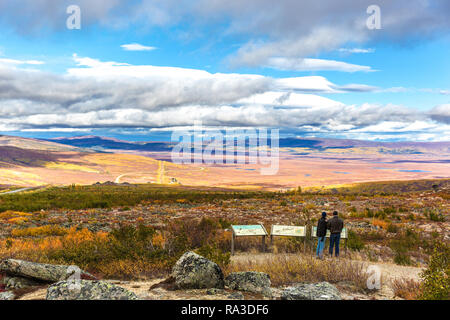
[321, 234]
[335, 225]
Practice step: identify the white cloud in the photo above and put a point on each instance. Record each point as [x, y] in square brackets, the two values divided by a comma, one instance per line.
[14, 62]
[136, 47]
[306, 64]
[356, 50]
[97, 94]
[288, 99]
[441, 113]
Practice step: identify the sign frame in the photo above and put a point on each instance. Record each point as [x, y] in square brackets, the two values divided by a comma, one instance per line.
[236, 234]
[274, 233]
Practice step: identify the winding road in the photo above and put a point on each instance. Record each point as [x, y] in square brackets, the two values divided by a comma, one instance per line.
[21, 190]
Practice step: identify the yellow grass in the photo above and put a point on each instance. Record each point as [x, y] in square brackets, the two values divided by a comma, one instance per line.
[69, 166]
[19, 178]
[285, 269]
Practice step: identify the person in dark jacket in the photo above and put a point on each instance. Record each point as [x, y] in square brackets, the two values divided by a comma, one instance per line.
[321, 235]
[335, 225]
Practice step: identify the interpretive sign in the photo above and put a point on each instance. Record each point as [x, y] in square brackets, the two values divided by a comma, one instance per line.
[288, 231]
[249, 230]
[344, 234]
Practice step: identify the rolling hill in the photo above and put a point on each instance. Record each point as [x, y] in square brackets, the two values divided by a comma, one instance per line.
[302, 162]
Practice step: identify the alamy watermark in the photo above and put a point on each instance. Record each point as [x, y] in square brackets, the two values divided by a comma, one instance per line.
[234, 146]
[73, 276]
[374, 20]
[74, 19]
[374, 279]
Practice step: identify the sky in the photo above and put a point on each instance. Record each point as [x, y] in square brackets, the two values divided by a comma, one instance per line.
[141, 69]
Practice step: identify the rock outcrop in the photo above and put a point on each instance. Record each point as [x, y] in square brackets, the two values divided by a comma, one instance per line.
[193, 271]
[17, 282]
[39, 271]
[7, 295]
[311, 291]
[88, 290]
[250, 281]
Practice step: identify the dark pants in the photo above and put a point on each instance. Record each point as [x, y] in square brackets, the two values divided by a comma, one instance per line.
[334, 242]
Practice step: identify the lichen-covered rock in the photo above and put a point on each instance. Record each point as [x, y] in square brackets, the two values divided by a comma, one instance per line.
[311, 291]
[7, 295]
[88, 290]
[18, 282]
[39, 271]
[256, 282]
[193, 271]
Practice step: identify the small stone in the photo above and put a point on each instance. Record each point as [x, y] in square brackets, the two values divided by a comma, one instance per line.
[214, 291]
[236, 296]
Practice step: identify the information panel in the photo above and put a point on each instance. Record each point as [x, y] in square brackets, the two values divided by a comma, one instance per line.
[288, 231]
[249, 230]
[344, 234]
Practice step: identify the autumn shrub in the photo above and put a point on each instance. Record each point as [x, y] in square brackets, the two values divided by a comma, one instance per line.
[354, 241]
[48, 230]
[406, 288]
[402, 246]
[213, 253]
[380, 223]
[435, 216]
[392, 228]
[436, 278]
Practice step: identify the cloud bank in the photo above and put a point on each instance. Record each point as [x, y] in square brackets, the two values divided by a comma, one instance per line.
[96, 94]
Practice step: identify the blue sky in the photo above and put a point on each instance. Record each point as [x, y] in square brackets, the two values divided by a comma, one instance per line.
[308, 70]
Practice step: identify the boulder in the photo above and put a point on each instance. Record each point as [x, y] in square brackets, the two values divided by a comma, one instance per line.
[193, 271]
[7, 295]
[39, 271]
[18, 282]
[311, 291]
[255, 282]
[88, 290]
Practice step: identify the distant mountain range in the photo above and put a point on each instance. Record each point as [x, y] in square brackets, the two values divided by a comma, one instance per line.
[302, 162]
[104, 143]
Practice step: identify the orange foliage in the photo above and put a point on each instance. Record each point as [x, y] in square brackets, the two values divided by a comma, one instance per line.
[380, 223]
[49, 230]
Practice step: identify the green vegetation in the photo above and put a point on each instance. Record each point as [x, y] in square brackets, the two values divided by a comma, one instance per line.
[384, 187]
[84, 197]
[436, 278]
[354, 241]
